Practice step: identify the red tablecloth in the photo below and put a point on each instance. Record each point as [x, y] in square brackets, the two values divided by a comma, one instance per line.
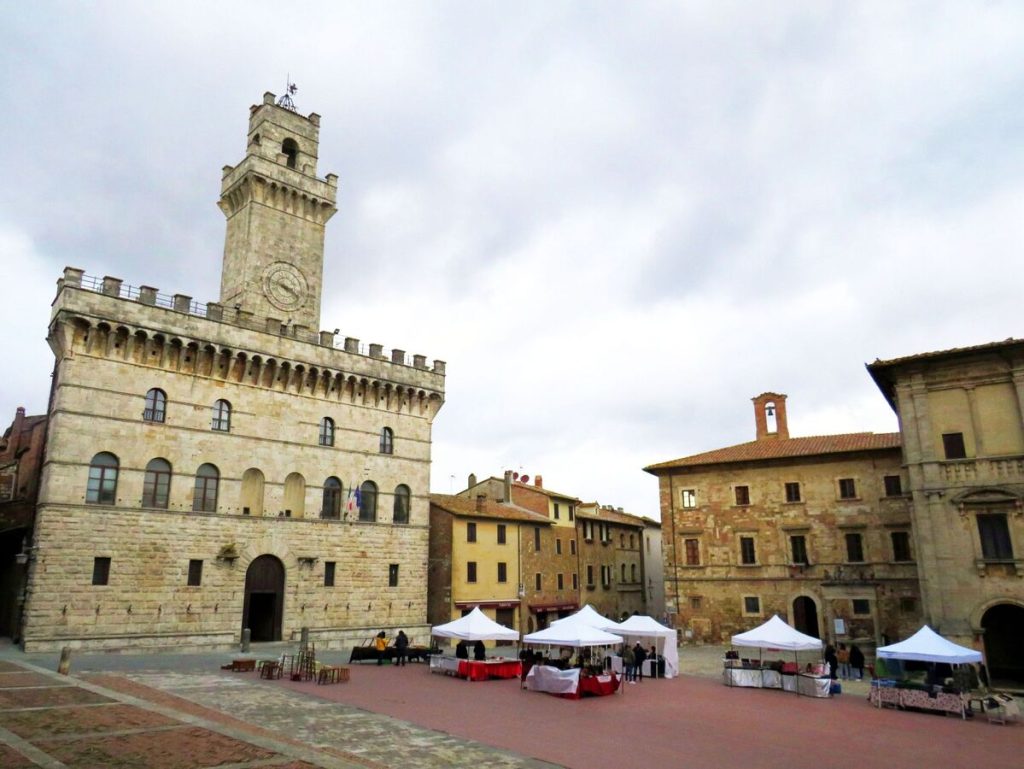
[480, 671]
[594, 686]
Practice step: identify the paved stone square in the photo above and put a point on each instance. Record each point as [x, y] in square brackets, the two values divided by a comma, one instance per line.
[164, 711]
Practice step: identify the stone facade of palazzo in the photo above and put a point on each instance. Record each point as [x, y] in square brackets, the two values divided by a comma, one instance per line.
[960, 414]
[220, 466]
[817, 529]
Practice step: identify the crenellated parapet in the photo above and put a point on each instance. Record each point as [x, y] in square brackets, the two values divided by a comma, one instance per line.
[105, 318]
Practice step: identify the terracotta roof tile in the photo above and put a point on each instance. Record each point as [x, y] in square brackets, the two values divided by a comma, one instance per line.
[612, 516]
[1010, 342]
[465, 507]
[785, 448]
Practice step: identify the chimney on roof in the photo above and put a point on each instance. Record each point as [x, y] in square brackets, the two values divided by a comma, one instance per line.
[770, 416]
[508, 486]
[538, 481]
[471, 480]
[480, 499]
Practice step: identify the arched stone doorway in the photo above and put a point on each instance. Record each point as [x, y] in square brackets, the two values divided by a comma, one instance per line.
[1004, 640]
[805, 616]
[264, 598]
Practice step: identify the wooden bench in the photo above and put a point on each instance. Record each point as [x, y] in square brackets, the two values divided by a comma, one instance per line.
[240, 666]
[332, 674]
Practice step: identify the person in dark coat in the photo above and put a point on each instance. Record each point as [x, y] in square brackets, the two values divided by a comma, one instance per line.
[479, 652]
[462, 650]
[401, 647]
[857, 661]
[833, 662]
[639, 655]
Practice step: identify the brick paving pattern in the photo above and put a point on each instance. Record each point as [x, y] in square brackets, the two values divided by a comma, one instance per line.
[177, 711]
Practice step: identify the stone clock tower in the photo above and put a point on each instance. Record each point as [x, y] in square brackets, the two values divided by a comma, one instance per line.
[276, 209]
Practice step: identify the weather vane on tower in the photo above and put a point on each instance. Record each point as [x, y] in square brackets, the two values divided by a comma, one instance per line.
[286, 100]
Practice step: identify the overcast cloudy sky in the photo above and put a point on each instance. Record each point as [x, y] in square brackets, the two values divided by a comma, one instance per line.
[617, 222]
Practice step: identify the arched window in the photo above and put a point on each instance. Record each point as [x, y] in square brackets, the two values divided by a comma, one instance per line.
[294, 495]
[291, 151]
[632, 541]
[332, 498]
[102, 486]
[204, 498]
[622, 540]
[387, 441]
[156, 487]
[156, 406]
[368, 501]
[252, 492]
[402, 497]
[326, 431]
[623, 572]
[632, 572]
[221, 416]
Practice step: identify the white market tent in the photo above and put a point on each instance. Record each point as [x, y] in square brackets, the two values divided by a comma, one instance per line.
[574, 634]
[776, 634]
[475, 626]
[665, 639]
[928, 646]
[588, 615]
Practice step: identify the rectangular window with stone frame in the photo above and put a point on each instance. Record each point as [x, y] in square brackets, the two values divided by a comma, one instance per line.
[900, 546]
[742, 495]
[692, 547]
[994, 533]
[854, 547]
[893, 486]
[688, 498]
[793, 491]
[847, 488]
[748, 551]
[798, 550]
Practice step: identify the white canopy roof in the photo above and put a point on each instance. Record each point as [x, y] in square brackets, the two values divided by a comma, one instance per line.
[475, 626]
[575, 634]
[642, 626]
[588, 615]
[776, 634]
[928, 646]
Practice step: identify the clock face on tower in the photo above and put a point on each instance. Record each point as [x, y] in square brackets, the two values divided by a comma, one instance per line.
[285, 286]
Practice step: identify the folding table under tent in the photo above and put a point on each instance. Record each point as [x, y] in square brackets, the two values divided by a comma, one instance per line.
[635, 628]
[665, 638]
[475, 626]
[924, 646]
[576, 635]
[776, 635]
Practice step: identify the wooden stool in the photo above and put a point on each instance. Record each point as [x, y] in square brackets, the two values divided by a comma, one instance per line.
[270, 669]
[332, 674]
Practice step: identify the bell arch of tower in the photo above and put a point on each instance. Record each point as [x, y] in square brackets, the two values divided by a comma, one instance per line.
[277, 210]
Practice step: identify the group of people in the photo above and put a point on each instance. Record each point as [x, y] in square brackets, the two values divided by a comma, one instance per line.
[479, 651]
[633, 658]
[380, 644]
[844, 662]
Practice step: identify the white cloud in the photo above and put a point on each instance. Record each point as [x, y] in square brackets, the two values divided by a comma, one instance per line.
[616, 224]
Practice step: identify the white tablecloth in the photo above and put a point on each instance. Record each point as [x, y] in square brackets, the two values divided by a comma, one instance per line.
[543, 678]
[448, 665]
[809, 686]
